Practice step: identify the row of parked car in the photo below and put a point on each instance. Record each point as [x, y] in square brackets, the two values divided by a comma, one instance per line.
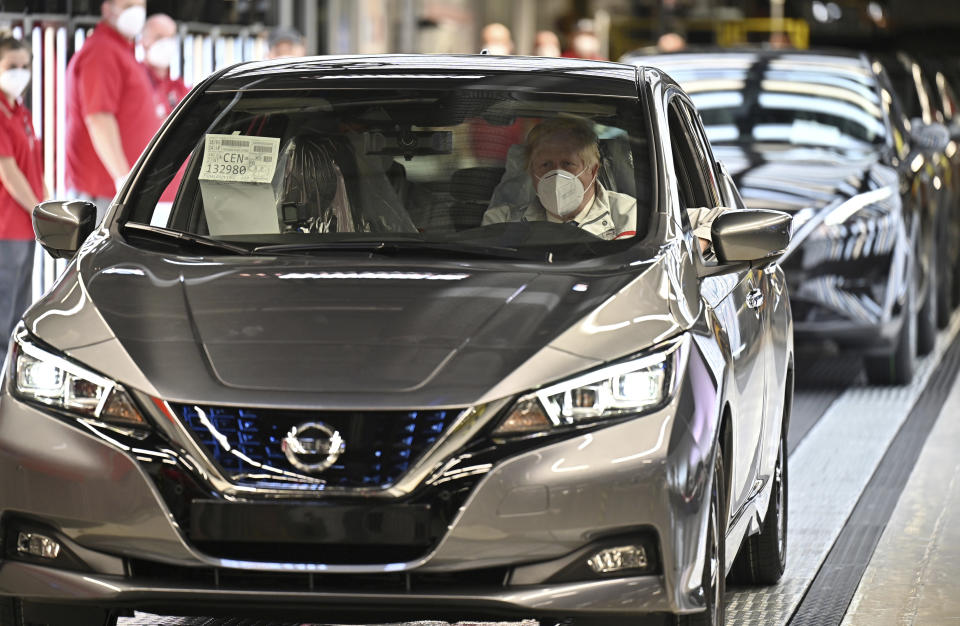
[862, 150]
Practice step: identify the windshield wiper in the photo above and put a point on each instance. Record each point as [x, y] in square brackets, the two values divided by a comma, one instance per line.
[392, 247]
[182, 237]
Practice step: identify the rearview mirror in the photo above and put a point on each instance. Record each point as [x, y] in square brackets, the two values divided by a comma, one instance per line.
[750, 236]
[61, 226]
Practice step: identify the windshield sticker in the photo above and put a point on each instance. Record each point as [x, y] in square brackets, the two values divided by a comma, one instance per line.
[239, 158]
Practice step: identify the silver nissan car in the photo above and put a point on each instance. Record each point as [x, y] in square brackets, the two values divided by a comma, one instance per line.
[417, 337]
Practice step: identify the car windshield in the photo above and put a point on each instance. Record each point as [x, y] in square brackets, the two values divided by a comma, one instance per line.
[805, 99]
[421, 171]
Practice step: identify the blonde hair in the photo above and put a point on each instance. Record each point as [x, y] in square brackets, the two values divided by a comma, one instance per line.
[577, 130]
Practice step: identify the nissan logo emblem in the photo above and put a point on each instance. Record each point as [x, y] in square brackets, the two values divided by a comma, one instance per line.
[313, 447]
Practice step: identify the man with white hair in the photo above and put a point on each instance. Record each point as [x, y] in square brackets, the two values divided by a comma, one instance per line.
[563, 161]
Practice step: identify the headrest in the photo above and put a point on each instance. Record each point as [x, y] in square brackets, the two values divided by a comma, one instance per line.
[310, 173]
[475, 184]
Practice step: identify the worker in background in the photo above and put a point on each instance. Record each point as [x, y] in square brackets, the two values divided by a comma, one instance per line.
[159, 41]
[546, 44]
[111, 109]
[584, 43]
[671, 41]
[496, 39]
[21, 175]
[285, 42]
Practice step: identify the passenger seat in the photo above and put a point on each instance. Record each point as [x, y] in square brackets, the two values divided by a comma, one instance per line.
[472, 189]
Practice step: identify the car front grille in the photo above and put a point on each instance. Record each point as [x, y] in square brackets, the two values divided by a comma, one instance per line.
[380, 446]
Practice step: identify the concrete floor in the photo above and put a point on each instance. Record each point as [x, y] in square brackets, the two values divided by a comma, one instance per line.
[913, 576]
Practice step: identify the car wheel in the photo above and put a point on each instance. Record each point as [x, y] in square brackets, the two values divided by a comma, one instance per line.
[714, 568]
[763, 557]
[927, 317]
[16, 612]
[897, 368]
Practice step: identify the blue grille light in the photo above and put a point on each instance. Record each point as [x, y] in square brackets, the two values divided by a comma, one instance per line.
[245, 443]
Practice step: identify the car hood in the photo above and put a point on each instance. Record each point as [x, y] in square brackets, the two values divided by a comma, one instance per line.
[352, 328]
[790, 178]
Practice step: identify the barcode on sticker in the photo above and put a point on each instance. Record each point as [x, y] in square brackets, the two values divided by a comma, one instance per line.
[257, 148]
[235, 143]
[267, 159]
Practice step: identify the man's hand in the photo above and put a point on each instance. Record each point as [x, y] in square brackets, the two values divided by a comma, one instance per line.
[105, 135]
[16, 184]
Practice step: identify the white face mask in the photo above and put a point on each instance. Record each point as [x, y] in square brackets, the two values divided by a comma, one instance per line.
[131, 20]
[14, 81]
[561, 192]
[162, 52]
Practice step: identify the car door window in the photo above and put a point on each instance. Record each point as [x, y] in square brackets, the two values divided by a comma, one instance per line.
[696, 182]
[693, 162]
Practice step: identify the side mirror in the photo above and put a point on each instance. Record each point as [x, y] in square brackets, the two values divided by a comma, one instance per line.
[934, 136]
[61, 226]
[750, 235]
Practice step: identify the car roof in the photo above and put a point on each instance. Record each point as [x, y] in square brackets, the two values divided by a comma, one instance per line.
[426, 71]
[649, 58]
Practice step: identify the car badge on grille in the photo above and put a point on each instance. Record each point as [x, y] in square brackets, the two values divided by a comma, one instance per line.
[313, 447]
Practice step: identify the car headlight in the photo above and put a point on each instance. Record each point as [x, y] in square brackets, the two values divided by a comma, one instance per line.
[42, 376]
[632, 387]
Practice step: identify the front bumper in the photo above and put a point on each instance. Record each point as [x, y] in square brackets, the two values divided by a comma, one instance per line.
[857, 302]
[867, 338]
[567, 600]
[529, 515]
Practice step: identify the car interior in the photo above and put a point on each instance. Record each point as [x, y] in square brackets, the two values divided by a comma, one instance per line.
[375, 169]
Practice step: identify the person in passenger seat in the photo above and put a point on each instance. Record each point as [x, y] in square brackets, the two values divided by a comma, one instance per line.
[563, 160]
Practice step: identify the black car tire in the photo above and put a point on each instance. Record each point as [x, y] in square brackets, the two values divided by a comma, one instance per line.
[714, 569]
[763, 557]
[927, 317]
[16, 612]
[898, 367]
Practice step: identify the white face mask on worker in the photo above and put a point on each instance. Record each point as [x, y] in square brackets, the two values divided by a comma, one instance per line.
[561, 192]
[131, 20]
[162, 51]
[14, 81]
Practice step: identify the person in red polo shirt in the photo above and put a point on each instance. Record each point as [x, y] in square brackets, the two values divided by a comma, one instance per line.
[21, 175]
[159, 41]
[111, 109]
